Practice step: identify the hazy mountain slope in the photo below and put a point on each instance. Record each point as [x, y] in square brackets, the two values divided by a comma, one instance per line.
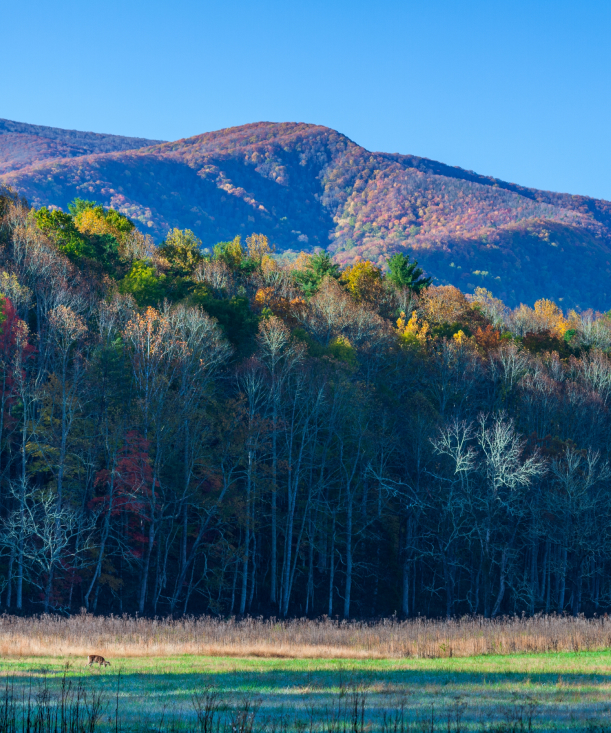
[22, 145]
[307, 186]
[263, 177]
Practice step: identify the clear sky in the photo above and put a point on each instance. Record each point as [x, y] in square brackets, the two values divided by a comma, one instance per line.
[520, 89]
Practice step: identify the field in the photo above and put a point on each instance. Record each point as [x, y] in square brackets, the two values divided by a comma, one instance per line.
[560, 691]
[304, 677]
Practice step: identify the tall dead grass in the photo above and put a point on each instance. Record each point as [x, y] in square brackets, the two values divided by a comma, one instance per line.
[139, 637]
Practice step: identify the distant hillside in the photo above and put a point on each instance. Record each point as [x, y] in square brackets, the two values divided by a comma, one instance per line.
[22, 145]
[308, 186]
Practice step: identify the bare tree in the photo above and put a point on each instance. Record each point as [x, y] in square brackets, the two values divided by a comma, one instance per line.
[280, 354]
[48, 533]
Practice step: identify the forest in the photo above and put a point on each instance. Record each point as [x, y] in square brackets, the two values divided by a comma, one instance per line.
[229, 433]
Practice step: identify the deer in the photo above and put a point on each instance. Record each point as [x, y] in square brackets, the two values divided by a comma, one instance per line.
[97, 659]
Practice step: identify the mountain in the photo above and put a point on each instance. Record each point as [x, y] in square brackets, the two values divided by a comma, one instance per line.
[22, 145]
[308, 186]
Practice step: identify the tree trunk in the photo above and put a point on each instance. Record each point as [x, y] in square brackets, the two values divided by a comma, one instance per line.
[48, 588]
[253, 566]
[578, 584]
[332, 569]
[534, 576]
[105, 531]
[288, 547]
[22, 513]
[235, 581]
[183, 539]
[405, 594]
[145, 570]
[310, 584]
[562, 580]
[274, 529]
[9, 576]
[349, 558]
[544, 574]
[247, 537]
[406, 566]
[499, 598]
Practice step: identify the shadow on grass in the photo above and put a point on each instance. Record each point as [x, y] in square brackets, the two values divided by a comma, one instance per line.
[328, 700]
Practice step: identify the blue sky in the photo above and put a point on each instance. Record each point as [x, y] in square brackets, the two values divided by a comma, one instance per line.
[519, 90]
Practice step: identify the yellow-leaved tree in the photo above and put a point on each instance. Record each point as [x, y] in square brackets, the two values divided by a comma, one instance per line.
[97, 220]
[545, 316]
[258, 247]
[552, 317]
[412, 333]
[364, 281]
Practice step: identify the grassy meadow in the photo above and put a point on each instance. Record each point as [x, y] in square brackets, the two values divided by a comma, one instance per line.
[203, 675]
[564, 691]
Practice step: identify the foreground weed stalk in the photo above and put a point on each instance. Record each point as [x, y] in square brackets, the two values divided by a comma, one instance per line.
[207, 704]
[455, 716]
[357, 710]
[429, 723]
[72, 709]
[395, 721]
[242, 719]
[117, 724]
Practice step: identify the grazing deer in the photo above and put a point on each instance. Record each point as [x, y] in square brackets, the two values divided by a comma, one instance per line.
[97, 659]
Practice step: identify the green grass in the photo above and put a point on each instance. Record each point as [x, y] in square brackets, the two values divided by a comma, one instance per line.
[566, 691]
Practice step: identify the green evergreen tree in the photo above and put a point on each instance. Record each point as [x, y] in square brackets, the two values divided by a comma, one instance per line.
[406, 274]
[318, 267]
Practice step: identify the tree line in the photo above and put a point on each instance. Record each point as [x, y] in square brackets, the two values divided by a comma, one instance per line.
[233, 433]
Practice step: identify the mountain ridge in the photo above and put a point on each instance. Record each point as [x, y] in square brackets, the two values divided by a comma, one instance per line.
[23, 144]
[308, 186]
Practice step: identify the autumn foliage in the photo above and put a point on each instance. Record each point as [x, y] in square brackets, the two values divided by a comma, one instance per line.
[228, 432]
[306, 187]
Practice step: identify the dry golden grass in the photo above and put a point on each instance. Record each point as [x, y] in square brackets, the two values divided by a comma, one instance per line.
[138, 637]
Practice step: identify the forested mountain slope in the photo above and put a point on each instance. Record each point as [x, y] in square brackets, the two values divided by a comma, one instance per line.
[22, 145]
[184, 433]
[307, 186]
